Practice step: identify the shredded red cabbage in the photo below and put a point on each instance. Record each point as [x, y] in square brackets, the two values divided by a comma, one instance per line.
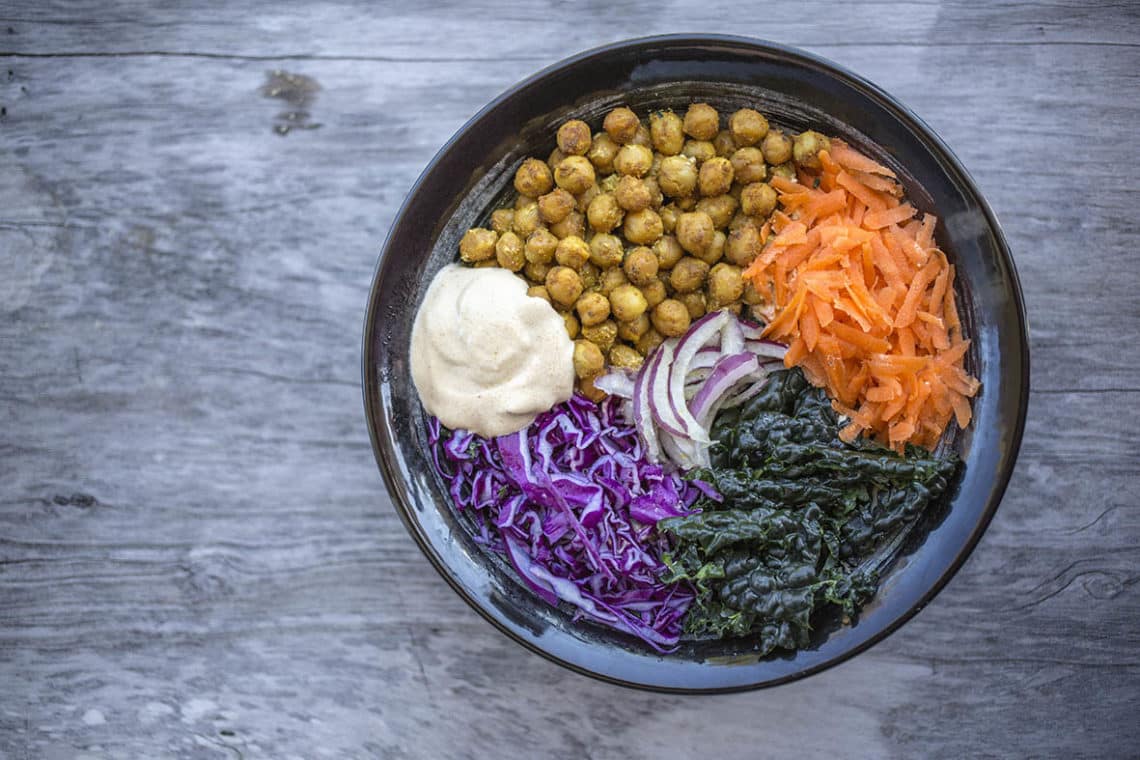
[573, 502]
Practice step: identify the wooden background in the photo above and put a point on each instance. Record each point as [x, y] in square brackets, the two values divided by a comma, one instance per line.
[197, 554]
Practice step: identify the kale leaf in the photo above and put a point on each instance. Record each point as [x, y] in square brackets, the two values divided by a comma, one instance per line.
[800, 511]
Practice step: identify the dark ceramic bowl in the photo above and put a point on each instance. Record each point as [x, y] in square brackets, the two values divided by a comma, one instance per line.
[472, 175]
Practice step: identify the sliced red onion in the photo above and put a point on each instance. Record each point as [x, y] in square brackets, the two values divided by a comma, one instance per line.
[766, 348]
[732, 338]
[616, 382]
[729, 371]
[751, 330]
[661, 406]
[642, 418]
[702, 332]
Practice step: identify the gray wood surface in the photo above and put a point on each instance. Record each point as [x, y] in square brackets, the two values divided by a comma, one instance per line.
[197, 555]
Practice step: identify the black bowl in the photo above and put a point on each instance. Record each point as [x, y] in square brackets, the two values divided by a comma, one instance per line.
[471, 175]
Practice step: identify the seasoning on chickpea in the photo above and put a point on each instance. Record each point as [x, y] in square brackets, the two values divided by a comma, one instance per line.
[604, 212]
[555, 205]
[689, 274]
[610, 280]
[509, 252]
[538, 291]
[654, 292]
[695, 231]
[633, 160]
[477, 244]
[573, 224]
[606, 251]
[695, 302]
[720, 209]
[564, 285]
[748, 166]
[536, 271]
[724, 144]
[621, 125]
[502, 219]
[643, 227]
[758, 199]
[632, 329]
[699, 150]
[748, 127]
[633, 194]
[627, 302]
[702, 122]
[668, 252]
[602, 153]
[715, 250]
[574, 138]
[725, 285]
[715, 177]
[671, 318]
[625, 357]
[776, 147]
[588, 359]
[527, 220]
[602, 334]
[742, 246]
[667, 132]
[806, 148]
[574, 174]
[640, 265]
[572, 252]
[592, 308]
[533, 178]
[677, 176]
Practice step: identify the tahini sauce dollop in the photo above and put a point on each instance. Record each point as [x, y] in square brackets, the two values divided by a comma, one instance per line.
[486, 357]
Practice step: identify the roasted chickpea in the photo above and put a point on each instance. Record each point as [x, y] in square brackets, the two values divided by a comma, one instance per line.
[574, 174]
[625, 357]
[720, 209]
[776, 147]
[695, 231]
[602, 334]
[740, 219]
[502, 220]
[642, 137]
[527, 220]
[724, 144]
[758, 199]
[668, 252]
[633, 160]
[591, 391]
[564, 285]
[667, 131]
[538, 291]
[588, 359]
[715, 177]
[695, 302]
[592, 308]
[748, 127]
[688, 275]
[806, 148]
[610, 280]
[583, 200]
[671, 318]
[632, 194]
[725, 285]
[477, 244]
[669, 216]
[699, 150]
[572, 252]
[604, 213]
[633, 329]
[701, 121]
[590, 275]
[678, 176]
[650, 340]
[655, 196]
[554, 159]
[573, 224]
[533, 178]
[621, 125]
[536, 271]
[627, 302]
[509, 252]
[522, 201]
[787, 170]
[555, 205]
[485, 264]
[688, 203]
[540, 246]
[748, 166]
[640, 265]
[715, 251]
[602, 153]
[574, 138]
[743, 245]
[642, 227]
[751, 295]
[654, 292]
[606, 251]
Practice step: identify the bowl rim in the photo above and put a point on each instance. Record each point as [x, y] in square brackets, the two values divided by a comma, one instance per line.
[377, 421]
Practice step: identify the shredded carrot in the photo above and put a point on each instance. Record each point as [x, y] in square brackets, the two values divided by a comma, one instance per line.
[865, 300]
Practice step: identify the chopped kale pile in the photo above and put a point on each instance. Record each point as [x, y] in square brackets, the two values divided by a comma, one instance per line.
[800, 510]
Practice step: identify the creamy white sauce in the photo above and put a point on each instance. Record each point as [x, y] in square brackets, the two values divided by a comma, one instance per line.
[486, 357]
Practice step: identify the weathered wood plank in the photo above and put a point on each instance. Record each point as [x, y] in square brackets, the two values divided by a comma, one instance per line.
[196, 553]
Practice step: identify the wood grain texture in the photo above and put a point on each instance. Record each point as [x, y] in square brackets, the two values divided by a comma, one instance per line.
[197, 556]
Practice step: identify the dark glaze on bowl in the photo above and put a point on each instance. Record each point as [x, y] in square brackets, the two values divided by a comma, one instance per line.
[472, 175]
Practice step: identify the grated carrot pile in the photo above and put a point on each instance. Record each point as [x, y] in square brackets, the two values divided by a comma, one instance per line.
[865, 301]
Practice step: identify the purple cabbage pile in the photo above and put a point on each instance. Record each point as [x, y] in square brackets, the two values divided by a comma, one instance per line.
[572, 501]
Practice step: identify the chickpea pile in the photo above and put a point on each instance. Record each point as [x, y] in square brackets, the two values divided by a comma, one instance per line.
[633, 232]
